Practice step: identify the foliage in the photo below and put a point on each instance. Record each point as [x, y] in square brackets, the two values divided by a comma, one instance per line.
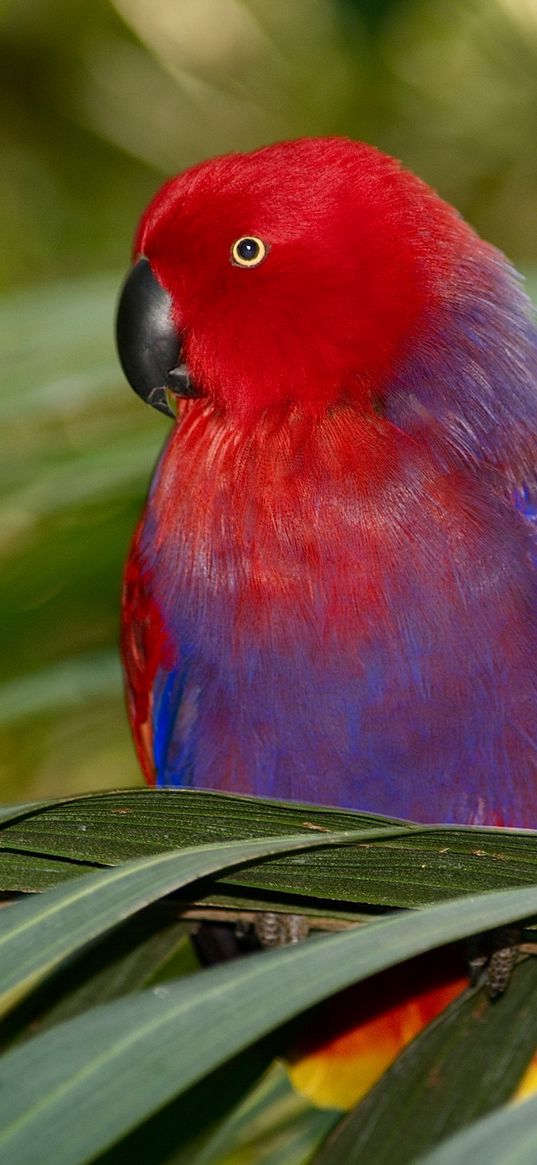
[113, 1040]
[101, 98]
[71, 482]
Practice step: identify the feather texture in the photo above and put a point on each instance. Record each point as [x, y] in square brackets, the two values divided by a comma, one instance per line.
[331, 595]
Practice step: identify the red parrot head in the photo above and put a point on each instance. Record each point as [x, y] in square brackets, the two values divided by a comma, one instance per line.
[298, 274]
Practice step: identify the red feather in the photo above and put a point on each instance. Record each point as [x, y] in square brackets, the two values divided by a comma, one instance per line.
[332, 528]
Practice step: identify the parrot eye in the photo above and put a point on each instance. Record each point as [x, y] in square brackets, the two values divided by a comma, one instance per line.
[248, 251]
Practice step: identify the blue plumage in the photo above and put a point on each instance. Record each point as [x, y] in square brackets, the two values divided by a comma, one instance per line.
[348, 600]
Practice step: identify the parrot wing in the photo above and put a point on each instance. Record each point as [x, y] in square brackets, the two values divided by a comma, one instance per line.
[472, 386]
[148, 663]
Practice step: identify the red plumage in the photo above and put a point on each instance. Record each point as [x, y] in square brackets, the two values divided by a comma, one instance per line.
[332, 592]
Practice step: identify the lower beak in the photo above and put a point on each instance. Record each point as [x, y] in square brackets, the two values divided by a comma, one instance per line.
[149, 343]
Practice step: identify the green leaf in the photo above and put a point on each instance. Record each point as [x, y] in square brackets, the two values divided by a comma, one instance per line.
[231, 1118]
[76, 457]
[176, 1134]
[412, 867]
[151, 946]
[76, 1089]
[37, 934]
[25, 872]
[467, 1062]
[273, 1125]
[508, 1137]
[14, 812]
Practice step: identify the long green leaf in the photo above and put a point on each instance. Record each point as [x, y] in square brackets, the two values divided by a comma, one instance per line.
[267, 1122]
[466, 1063]
[24, 809]
[508, 1137]
[411, 868]
[273, 1125]
[70, 1093]
[162, 819]
[151, 946]
[37, 934]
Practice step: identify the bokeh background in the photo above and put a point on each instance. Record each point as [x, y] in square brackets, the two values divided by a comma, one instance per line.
[100, 100]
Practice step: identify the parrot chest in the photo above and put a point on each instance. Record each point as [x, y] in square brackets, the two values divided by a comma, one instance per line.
[358, 644]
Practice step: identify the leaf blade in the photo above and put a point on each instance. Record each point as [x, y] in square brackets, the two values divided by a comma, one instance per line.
[77, 1089]
[508, 1137]
[37, 934]
[424, 865]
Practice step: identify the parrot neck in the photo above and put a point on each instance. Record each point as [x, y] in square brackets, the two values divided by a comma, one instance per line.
[257, 502]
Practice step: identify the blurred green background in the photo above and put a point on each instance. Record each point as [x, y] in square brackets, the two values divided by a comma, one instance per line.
[101, 99]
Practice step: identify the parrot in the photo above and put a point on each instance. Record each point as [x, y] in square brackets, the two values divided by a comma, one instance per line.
[331, 595]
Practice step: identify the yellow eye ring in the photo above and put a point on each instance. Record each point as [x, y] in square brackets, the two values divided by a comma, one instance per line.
[248, 251]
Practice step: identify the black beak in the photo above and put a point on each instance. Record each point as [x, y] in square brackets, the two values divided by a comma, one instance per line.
[148, 341]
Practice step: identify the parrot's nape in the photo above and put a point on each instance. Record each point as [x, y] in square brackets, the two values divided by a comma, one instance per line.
[331, 595]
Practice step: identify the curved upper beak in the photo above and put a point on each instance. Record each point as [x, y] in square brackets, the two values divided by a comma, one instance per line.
[149, 343]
